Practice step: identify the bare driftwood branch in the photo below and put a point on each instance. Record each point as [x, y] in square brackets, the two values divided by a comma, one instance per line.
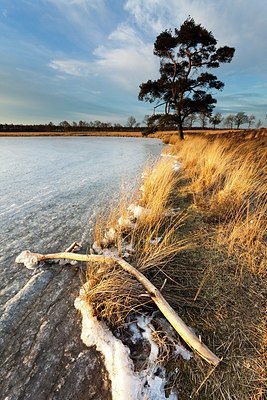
[32, 259]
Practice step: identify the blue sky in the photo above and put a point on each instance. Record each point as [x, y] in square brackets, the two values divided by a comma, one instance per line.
[85, 59]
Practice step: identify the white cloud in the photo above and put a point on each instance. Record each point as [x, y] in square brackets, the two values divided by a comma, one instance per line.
[125, 34]
[72, 67]
[128, 67]
[149, 14]
[125, 59]
[241, 23]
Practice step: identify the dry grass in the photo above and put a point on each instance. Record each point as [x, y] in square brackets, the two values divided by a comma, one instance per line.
[113, 293]
[157, 190]
[153, 240]
[228, 181]
[157, 244]
[245, 235]
[218, 283]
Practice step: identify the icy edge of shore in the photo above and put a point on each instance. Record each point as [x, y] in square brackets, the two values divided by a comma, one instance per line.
[149, 383]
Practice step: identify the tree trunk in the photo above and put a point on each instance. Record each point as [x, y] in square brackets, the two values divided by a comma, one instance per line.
[181, 131]
[180, 124]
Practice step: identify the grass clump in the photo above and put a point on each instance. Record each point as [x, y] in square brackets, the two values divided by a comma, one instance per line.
[144, 229]
[113, 294]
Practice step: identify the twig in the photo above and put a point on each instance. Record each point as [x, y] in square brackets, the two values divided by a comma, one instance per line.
[202, 383]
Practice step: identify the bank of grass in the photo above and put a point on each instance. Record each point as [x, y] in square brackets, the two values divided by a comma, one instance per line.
[210, 262]
[228, 182]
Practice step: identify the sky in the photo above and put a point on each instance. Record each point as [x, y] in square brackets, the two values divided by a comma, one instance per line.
[85, 59]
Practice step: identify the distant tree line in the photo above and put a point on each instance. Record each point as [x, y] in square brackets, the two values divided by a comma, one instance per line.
[150, 124]
[65, 126]
[230, 121]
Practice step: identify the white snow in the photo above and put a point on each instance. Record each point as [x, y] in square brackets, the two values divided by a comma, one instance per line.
[149, 383]
[125, 223]
[30, 260]
[97, 249]
[116, 355]
[110, 235]
[180, 349]
[176, 166]
[137, 211]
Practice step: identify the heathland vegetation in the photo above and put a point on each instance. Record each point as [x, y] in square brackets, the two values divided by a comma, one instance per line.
[198, 232]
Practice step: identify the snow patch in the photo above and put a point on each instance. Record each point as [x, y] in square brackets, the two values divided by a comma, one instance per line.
[180, 349]
[137, 211]
[149, 383]
[125, 223]
[30, 260]
[176, 166]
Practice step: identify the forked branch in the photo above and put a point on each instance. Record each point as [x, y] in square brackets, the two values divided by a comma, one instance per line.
[31, 260]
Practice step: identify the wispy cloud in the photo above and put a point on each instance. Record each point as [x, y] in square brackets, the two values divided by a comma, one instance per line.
[126, 60]
[72, 67]
[86, 18]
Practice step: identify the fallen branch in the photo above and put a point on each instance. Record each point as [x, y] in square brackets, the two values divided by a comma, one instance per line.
[31, 260]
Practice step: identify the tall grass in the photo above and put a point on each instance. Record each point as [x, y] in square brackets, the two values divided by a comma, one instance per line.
[220, 294]
[228, 180]
[151, 240]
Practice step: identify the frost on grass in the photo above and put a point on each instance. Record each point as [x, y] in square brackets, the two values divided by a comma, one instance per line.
[127, 384]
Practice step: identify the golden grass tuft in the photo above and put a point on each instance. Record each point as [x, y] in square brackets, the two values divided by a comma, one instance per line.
[157, 189]
[153, 236]
[157, 244]
[113, 293]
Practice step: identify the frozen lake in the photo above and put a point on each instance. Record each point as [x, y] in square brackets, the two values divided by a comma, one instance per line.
[52, 188]
[51, 191]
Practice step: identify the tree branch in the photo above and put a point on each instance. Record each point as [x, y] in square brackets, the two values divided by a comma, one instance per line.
[32, 259]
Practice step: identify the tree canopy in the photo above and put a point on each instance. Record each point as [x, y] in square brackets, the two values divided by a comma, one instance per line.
[185, 83]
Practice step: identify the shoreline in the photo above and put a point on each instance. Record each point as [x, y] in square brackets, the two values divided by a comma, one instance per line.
[165, 136]
[72, 134]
